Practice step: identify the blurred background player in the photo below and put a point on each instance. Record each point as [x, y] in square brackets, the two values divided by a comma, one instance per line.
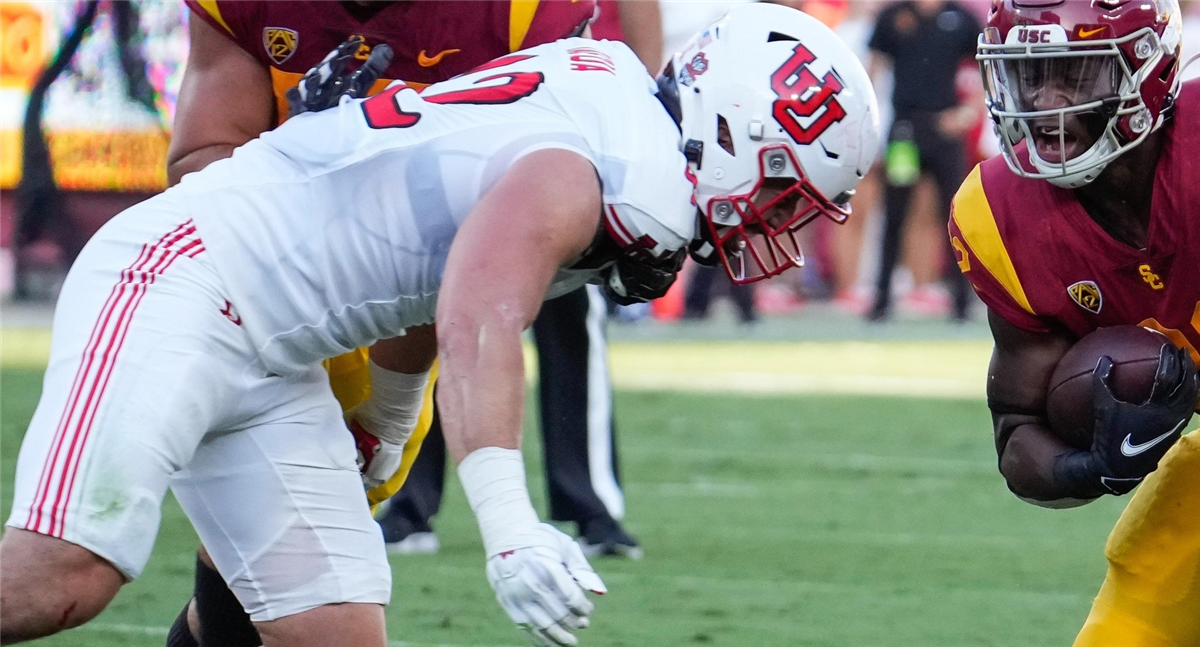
[1088, 220]
[575, 391]
[245, 56]
[924, 42]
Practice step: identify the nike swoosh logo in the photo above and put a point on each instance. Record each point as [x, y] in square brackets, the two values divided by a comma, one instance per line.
[429, 61]
[1131, 450]
[1089, 33]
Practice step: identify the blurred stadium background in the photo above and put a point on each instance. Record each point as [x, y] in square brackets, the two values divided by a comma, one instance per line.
[797, 474]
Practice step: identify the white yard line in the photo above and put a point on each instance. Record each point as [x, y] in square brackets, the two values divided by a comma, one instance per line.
[897, 368]
[953, 370]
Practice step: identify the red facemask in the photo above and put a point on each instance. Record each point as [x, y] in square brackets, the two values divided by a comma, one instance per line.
[755, 233]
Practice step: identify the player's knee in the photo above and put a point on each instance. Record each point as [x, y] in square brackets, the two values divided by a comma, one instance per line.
[330, 624]
[50, 585]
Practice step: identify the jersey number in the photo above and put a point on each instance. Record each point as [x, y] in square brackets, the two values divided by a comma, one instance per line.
[383, 111]
[801, 95]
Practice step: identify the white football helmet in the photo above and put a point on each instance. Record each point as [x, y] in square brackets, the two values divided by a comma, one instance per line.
[779, 124]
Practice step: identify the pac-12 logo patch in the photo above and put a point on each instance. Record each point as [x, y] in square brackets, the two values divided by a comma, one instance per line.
[1086, 294]
[694, 68]
[280, 43]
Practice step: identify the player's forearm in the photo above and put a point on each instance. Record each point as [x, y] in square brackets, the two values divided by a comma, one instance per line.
[191, 161]
[481, 401]
[385, 421]
[481, 394]
[399, 376]
[543, 212]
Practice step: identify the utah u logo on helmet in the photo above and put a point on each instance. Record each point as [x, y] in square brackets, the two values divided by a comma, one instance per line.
[801, 95]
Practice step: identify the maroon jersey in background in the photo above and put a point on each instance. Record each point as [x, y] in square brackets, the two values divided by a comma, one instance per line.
[608, 21]
[433, 41]
[1039, 261]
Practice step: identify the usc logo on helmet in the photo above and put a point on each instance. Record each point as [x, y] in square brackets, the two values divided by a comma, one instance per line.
[802, 95]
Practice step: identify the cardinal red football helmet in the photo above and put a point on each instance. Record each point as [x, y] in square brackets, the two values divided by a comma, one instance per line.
[1080, 81]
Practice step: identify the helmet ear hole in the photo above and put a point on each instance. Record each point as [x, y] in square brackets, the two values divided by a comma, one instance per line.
[724, 136]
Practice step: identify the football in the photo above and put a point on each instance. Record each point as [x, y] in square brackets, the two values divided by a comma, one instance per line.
[1134, 351]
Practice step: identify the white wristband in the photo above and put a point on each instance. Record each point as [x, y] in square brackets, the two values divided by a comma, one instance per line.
[392, 411]
[494, 480]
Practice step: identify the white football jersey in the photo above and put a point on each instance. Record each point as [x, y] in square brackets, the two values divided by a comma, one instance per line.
[332, 231]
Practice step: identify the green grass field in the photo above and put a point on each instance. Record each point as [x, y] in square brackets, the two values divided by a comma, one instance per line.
[815, 520]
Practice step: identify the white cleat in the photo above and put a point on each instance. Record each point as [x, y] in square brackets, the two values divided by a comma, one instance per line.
[418, 543]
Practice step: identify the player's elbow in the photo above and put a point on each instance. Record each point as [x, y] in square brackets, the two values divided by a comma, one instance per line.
[180, 162]
[175, 172]
[1027, 483]
[1056, 504]
[179, 165]
[1040, 497]
[1022, 477]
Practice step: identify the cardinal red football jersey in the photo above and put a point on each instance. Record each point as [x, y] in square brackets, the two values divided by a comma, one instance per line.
[433, 41]
[1039, 261]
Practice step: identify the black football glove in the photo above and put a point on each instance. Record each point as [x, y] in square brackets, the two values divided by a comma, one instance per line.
[640, 277]
[325, 84]
[1130, 439]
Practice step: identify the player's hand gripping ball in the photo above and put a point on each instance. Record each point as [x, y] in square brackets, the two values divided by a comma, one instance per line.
[542, 586]
[1122, 396]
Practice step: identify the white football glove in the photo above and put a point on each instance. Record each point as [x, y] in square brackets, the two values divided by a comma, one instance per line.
[542, 586]
[383, 423]
[538, 573]
[378, 459]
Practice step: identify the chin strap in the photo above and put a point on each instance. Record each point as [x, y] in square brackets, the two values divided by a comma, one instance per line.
[668, 94]
[1183, 68]
[702, 250]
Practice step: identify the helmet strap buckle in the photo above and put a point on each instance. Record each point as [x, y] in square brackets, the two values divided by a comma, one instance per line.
[693, 151]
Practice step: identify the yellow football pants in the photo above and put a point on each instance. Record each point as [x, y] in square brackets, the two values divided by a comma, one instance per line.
[1151, 595]
[350, 378]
